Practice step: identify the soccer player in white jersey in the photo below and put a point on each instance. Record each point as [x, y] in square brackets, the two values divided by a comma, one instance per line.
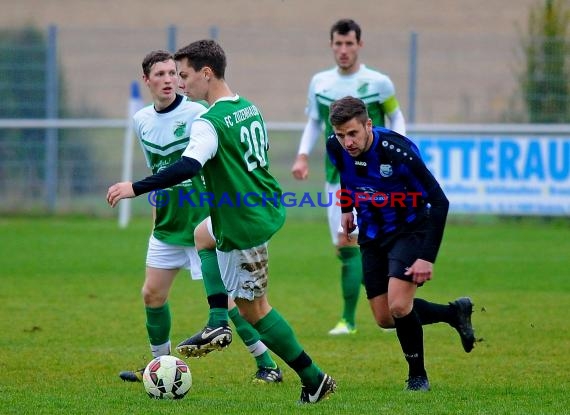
[230, 142]
[163, 130]
[348, 78]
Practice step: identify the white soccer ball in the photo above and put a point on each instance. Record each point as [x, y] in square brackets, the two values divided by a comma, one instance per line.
[167, 377]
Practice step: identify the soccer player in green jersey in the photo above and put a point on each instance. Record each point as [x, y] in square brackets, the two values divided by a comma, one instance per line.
[348, 77]
[163, 130]
[230, 142]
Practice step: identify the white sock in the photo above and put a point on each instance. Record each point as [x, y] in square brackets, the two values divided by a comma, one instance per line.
[257, 348]
[161, 349]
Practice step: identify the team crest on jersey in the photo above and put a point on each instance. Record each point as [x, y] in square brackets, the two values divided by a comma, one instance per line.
[179, 129]
[385, 170]
[363, 89]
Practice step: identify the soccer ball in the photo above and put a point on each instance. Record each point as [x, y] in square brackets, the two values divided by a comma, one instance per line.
[167, 377]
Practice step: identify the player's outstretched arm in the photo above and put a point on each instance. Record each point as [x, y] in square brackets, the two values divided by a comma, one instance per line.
[183, 169]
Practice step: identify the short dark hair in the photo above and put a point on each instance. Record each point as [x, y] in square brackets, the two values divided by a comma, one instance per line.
[154, 57]
[347, 108]
[204, 53]
[344, 26]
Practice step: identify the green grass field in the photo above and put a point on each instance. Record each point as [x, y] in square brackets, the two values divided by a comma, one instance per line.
[72, 318]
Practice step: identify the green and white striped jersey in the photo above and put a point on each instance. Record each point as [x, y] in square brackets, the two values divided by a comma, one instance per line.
[374, 88]
[163, 136]
[230, 140]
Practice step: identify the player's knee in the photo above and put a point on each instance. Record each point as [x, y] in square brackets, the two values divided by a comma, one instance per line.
[152, 297]
[202, 238]
[383, 318]
[399, 309]
[385, 322]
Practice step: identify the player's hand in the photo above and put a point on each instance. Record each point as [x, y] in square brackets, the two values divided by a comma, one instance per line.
[119, 191]
[348, 225]
[421, 271]
[300, 169]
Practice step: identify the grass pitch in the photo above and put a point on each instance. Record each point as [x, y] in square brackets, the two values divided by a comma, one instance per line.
[72, 318]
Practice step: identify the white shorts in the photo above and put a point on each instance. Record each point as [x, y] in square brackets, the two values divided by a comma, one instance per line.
[334, 214]
[166, 256]
[244, 272]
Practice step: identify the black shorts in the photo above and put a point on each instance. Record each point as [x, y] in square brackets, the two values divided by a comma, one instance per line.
[379, 263]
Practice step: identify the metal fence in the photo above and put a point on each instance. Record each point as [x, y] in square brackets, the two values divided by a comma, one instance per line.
[439, 77]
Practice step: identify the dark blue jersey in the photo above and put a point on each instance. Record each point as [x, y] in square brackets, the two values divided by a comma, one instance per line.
[392, 190]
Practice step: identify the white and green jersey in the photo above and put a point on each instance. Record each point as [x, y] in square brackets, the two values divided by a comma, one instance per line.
[230, 141]
[163, 136]
[374, 88]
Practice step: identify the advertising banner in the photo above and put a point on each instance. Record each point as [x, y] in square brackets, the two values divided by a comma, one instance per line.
[501, 174]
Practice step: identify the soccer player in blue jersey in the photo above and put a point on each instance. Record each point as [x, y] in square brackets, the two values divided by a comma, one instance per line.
[401, 214]
[348, 77]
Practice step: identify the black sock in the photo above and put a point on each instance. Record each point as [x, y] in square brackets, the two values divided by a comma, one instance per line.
[430, 313]
[411, 337]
